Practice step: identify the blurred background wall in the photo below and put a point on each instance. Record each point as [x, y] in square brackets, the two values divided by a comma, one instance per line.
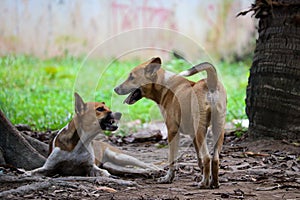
[52, 28]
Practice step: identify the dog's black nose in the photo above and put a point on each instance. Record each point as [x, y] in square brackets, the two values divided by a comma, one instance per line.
[117, 115]
[117, 90]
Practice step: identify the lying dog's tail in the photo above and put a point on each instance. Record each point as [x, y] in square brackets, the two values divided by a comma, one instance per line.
[212, 78]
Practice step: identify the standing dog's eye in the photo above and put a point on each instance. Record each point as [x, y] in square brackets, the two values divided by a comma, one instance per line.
[100, 109]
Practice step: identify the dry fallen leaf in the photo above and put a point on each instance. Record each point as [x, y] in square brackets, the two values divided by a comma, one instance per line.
[250, 153]
[106, 189]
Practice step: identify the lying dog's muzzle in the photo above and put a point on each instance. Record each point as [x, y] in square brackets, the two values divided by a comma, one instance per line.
[109, 123]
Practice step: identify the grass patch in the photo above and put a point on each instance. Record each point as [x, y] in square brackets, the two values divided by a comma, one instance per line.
[40, 92]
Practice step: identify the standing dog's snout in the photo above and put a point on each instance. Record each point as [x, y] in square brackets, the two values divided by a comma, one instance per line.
[120, 90]
[117, 90]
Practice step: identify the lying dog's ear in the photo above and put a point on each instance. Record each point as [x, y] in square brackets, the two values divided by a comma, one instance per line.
[80, 106]
[152, 67]
[156, 60]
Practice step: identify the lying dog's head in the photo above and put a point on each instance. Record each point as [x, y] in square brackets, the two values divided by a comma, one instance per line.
[92, 116]
[139, 78]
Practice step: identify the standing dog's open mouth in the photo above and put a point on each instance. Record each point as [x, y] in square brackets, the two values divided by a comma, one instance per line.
[109, 123]
[134, 96]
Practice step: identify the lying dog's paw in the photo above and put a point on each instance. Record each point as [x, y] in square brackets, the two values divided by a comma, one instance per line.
[96, 171]
[154, 167]
[27, 173]
[36, 172]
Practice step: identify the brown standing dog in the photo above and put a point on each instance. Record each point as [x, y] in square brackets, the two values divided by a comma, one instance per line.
[187, 107]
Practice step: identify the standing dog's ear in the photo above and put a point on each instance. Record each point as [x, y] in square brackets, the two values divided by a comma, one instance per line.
[152, 67]
[80, 106]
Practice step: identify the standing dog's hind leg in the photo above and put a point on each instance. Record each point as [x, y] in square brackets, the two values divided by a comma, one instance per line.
[173, 140]
[216, 161]
[204, 154]
[198, 155]
[218, 121]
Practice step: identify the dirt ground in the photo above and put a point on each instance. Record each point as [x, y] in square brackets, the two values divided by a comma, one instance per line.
[261, 169]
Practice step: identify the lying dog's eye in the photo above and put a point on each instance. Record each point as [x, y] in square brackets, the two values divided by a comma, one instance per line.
[100, 109]
[130, 77]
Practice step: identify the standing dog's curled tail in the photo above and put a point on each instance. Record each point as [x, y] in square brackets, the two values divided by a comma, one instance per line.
[212, 98]
[212, 79]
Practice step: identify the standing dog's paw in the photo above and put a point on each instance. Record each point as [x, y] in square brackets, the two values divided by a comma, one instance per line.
[203, 185]
[168, 178]
[214, 184]
[164, 179]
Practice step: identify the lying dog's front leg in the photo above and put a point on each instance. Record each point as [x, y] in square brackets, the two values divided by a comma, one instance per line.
[48, 168]
[173, 140]
[42, 171]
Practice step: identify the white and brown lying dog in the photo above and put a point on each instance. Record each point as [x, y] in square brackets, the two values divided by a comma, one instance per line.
[187, 107]
[73, 150]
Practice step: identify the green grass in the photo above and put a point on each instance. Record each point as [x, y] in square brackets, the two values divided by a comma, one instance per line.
[40, 92]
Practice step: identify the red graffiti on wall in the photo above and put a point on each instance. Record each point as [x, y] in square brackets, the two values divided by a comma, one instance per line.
[134, 14]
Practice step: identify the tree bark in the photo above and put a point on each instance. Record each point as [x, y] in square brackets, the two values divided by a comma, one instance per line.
[273, 91]
[15, 148]
[39, 146]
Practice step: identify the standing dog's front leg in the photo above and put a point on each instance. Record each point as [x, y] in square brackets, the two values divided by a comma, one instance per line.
[173, 140]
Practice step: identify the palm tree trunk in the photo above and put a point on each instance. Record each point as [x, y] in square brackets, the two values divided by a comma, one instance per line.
[273, 91]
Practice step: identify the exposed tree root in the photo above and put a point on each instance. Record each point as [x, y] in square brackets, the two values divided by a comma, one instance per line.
[40, 183]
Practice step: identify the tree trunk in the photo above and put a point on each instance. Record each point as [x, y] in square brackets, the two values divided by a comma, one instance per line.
[15, 148]
[273, 91]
